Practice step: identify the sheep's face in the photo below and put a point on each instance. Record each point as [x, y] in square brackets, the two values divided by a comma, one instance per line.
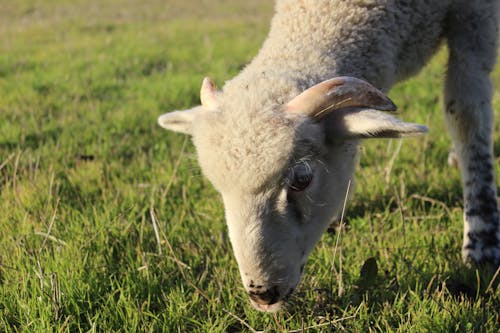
[280, 190]
[283, 173]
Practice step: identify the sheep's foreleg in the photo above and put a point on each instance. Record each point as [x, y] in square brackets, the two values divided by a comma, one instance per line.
[469, 116]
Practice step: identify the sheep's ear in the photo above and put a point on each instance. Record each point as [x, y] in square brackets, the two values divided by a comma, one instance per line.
[180, 121]
[208, 94]
[338, 93]
[367, 123]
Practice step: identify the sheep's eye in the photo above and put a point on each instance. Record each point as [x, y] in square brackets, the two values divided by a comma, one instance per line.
[300, 176]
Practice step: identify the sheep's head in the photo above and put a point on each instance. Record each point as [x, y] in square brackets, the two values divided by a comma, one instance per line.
[283, 171]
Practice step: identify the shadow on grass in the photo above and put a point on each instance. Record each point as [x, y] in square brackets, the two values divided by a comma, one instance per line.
[382, 290]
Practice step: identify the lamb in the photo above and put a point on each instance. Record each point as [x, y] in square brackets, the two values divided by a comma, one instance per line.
[279, 141]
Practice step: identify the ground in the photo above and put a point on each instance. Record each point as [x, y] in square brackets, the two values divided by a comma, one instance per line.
[107, 224]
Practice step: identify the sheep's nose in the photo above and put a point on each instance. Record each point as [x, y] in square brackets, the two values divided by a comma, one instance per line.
[267, 297]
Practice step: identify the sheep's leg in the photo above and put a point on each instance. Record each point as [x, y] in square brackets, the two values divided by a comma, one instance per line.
[469, 116]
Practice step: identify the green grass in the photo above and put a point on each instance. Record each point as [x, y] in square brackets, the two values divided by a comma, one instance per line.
[85, 170]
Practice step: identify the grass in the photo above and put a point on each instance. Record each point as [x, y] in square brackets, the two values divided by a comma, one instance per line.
[108, 226]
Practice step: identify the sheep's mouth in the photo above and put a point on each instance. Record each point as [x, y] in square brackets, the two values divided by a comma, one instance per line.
[270, 308]
[274, 307]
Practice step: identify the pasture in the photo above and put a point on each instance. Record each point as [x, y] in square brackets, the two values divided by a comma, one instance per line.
[107, 224]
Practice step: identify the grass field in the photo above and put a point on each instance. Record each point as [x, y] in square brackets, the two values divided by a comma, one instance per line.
[107, 225]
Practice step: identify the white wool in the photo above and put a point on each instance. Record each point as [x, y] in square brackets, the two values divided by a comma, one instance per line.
[248, 140]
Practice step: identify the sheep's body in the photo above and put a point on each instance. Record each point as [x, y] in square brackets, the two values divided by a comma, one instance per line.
[251, 134]
[379, 41]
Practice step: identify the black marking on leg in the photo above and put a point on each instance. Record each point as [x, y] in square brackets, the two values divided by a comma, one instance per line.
[472, 241]
[490, 240]
[480, 165]
[450, 107]
[482, 140]
[483, 205]
[483, 246]
[480, 157]
[470, 246]
[482, 241]
[487, 177]
[486, 238]
[472, 212]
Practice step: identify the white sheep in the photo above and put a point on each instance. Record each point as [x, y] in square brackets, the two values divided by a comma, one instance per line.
[279, 141]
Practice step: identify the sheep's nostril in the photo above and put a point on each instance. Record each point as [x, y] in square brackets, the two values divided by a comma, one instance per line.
[267, 297]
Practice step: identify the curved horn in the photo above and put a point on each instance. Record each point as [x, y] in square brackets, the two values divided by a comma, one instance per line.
[337, 93]
[208, 94]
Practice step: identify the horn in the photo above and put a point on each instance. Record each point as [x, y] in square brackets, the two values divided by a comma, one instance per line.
[337, 93]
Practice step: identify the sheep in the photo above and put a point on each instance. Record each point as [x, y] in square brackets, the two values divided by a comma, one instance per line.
[279, 141]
